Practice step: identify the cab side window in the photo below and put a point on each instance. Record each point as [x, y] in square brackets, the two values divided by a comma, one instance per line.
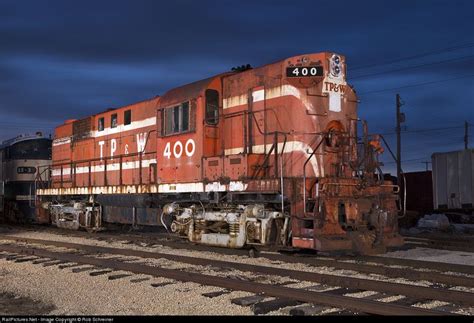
[100, 126]
[177, 119]
[212, 107]
[127, 117]
[113, 120]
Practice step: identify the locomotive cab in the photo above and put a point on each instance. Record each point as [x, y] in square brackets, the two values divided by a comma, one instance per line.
[188, 120]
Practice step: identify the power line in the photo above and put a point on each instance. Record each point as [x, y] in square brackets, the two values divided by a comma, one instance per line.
[428, 143]
[447, 145]
[448, 49]
[423, 130]
[25, 124]
[25, 127]
[412, 67]
[440, 142]
[418, 84]
[30, 122]
[28, 125]
[406, 161]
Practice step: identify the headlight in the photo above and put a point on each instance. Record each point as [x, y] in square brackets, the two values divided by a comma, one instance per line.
[335, 66]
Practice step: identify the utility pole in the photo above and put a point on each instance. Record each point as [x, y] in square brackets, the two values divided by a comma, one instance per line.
[400, 119]
[426, 163]
[466, 134]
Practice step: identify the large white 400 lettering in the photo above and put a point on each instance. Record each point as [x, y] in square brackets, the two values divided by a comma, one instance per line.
[177, 152]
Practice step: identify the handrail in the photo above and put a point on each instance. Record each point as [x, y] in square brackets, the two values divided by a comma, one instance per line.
[404, 208]
[274, 147]
[29, 198]
[352, 184]
[281, 177]
[304, 171]
[275, 133]
[267, 156]
[74, 164]
[102, 159]
[72, 172]
[38, 177]
[118, 156]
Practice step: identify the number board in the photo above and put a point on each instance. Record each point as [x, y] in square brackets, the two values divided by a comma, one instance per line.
[307, 71]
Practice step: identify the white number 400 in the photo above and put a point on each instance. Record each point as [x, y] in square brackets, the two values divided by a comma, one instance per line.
[305, 71]
[189, 149]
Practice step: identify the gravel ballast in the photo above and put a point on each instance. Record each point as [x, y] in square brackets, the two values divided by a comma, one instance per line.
[72, 293]
[80, 293]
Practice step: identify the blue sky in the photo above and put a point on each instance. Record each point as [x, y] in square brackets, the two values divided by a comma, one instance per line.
[68, 59]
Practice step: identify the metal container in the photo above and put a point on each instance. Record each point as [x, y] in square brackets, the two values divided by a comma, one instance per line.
[453, 180]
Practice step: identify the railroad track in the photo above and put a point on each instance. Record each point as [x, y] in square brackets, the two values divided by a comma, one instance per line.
[364, 264]
[441, 236]
[440, 243]
[285, 295]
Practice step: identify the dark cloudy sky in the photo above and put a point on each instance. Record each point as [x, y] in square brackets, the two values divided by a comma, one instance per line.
[68, 59]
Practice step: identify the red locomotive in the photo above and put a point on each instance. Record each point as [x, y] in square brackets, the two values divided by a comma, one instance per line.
[256, 157]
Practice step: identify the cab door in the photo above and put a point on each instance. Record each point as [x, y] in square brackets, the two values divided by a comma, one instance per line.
[213, 160]
[211, 124]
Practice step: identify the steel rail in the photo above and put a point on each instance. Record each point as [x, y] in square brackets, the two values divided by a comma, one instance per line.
[441, 237]
[441, 244]
[438, 246]
[360, 305]
[166, 240]
[441, 241]
[439, 266]
[421, 292]
[407, 273]
[316, 260]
